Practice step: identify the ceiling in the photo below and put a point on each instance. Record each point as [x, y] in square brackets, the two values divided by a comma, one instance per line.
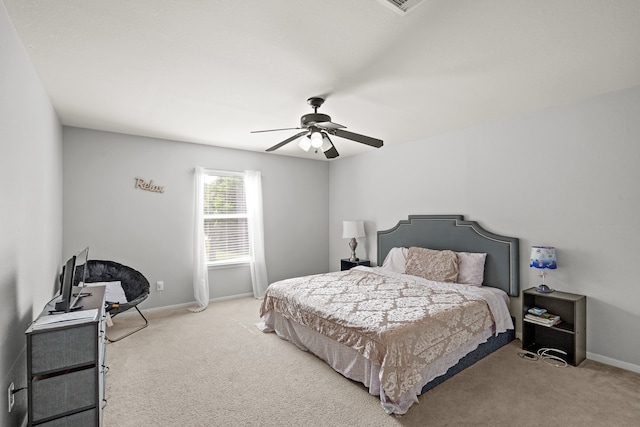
[209, 72]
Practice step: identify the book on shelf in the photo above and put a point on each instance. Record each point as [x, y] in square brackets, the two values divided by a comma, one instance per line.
[545, 319]
[537, 311]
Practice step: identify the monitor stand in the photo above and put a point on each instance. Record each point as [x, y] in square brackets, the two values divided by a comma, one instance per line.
[61, 309]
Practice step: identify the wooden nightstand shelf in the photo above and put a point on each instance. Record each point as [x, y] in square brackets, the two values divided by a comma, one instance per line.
[569, 336]
[345, 264]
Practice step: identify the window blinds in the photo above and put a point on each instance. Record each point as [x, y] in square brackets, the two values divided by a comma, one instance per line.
[225, 219]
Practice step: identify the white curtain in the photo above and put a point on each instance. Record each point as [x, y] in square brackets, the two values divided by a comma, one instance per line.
[200, 273]
[253, 189]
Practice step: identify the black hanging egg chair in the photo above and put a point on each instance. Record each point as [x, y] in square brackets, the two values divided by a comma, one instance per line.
[134, 285]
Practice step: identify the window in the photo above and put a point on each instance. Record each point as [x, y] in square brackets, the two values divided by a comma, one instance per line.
[225, 218]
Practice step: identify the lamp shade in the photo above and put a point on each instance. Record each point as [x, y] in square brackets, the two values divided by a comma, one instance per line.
[352, 229]
[543, 257]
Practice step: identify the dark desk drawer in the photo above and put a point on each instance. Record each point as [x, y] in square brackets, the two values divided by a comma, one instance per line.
[56, 349]
[59, 394]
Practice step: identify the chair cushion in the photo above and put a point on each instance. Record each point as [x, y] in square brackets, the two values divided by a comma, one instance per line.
[133, 283]
[113, 292]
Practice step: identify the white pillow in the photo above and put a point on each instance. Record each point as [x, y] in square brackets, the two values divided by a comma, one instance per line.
[471, 268]
[113, 291]
[396, 260]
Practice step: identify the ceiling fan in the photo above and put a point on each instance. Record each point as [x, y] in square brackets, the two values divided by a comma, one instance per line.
[317, 128]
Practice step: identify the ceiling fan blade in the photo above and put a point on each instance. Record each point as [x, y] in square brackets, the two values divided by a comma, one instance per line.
[272, 130]
[357, 137]
[329, 125]
[286, 141]
[331, 152]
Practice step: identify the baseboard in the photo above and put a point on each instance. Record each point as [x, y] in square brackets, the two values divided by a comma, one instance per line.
[182, 305]
[613, 362]
[249, 294]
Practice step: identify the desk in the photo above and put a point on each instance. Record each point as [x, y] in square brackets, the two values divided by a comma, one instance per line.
[66, 367]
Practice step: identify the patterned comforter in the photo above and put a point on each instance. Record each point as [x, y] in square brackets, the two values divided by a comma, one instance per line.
[399, 322]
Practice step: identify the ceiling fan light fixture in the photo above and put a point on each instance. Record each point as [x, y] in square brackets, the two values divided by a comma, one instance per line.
[316, 139]
[305, 143]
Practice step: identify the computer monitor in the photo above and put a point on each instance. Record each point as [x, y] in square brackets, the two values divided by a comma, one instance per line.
[80, 275]
[73, 272]
[64, 304]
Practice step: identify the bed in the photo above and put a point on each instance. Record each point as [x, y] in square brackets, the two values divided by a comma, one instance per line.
[406, 326]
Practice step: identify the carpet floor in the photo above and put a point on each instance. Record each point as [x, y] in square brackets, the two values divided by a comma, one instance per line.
[215, 368]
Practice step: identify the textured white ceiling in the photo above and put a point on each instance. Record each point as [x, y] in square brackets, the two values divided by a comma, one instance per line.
[209, 72]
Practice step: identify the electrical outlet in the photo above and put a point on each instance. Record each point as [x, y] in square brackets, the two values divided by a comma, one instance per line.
[159, 285]
[11, 397]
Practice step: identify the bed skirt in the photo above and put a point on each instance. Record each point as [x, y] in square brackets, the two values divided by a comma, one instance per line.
[354, 366]
[492, 344]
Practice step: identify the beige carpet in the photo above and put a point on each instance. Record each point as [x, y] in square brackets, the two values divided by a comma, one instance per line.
[216, 369]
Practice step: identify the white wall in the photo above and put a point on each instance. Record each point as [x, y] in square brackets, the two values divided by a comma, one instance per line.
[30, 208]
[152, 232]
[566, 177]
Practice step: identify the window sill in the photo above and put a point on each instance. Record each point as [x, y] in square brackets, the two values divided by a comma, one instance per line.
[231, 264]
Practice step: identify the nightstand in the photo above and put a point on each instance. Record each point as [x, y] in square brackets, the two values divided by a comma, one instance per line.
[570, 335]
[345, 264]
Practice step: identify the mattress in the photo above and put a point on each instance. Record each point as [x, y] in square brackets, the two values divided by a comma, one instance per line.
[392, 332]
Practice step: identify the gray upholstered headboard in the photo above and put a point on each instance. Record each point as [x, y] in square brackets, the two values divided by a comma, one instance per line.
[453, 232]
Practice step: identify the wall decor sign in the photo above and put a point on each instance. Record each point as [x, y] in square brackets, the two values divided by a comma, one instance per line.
[148, 186]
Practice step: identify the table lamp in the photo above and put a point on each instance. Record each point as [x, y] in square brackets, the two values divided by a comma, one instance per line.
[351, 230]
[543, 257]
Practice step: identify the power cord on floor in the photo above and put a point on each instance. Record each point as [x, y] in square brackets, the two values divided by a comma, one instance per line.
[527, 355]
[552, 359]
[545, 354]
